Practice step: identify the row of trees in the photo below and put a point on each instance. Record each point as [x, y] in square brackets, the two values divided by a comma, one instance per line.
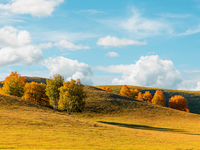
[175, 102]
[61, 95]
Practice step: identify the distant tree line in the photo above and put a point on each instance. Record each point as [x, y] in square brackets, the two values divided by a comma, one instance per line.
[175, 102]
[56, 93]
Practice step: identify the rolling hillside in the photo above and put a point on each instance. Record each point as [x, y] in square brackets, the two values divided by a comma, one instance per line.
[110, 121]
[193, 97]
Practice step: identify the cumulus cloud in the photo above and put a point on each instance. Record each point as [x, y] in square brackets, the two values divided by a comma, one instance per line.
[198, 86]
[45, 45]
[70, 46]
[26, 55]
[147, 71]
[13, 38]
[116, 42]
[70, 69]
[112, 54]
[39, 8]
[16, 48]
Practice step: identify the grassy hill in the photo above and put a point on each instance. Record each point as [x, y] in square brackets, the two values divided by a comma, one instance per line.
[110, 121]
[193, 97]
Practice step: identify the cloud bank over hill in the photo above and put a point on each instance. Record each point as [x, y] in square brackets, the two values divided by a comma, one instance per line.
[70, 69]
[147, 71]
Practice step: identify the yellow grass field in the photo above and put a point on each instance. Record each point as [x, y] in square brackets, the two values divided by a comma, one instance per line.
[110, 121]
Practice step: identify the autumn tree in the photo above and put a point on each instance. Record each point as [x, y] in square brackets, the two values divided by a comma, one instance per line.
[14, 84]
[104, 88]
[147, 97]
[134, 93]
[52, 90]
[108, 89]
[178, 102]
[125, 90]
[36, 92]
[159, 98]
[140, 96]
[72, 96]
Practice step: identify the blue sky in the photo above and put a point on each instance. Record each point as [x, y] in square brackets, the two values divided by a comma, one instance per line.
[146, 43]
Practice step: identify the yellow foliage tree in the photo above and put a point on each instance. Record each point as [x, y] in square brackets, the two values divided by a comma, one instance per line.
[178, 102]
[72, 96]
[140, 96]
[125, 90]
[52, 90]
[14, 84]
[147, 97]
[159, 98]
[36, 92]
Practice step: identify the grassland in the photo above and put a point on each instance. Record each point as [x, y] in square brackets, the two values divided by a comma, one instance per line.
[110, 121]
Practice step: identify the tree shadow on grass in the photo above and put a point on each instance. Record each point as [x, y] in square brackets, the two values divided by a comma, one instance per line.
[144, 127]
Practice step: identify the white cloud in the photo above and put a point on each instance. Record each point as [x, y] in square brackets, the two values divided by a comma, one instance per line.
[45, 45]
[147, 71]
[116, 42]
[139, 26]
[112, 54]
[198, 86]
[16, 48]
[39, 8]
[26, 55]
[70, 69]
[70, 46]
[13, 38]
[190, 31]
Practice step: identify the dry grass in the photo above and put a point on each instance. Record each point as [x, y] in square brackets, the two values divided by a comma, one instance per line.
[109, 122]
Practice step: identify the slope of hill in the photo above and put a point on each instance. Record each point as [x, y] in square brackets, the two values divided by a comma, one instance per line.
[193, 97]
[30, 79]
[110, 121]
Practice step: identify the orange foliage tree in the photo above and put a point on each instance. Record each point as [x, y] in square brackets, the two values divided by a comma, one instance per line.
[36, 92]
[14, 84]
[140, 96]
[159, 98]
[147, 97]
[178, 102]
[108, 89]
[134, 93]
[104, 88]
[125, 90]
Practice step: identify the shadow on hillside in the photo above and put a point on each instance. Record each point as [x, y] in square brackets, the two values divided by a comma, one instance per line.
[144, 127]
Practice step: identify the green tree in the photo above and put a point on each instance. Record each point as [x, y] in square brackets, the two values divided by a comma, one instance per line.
[36, 92]
[52, 90]
[14, 84]
[72, 96]
[159, 98]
